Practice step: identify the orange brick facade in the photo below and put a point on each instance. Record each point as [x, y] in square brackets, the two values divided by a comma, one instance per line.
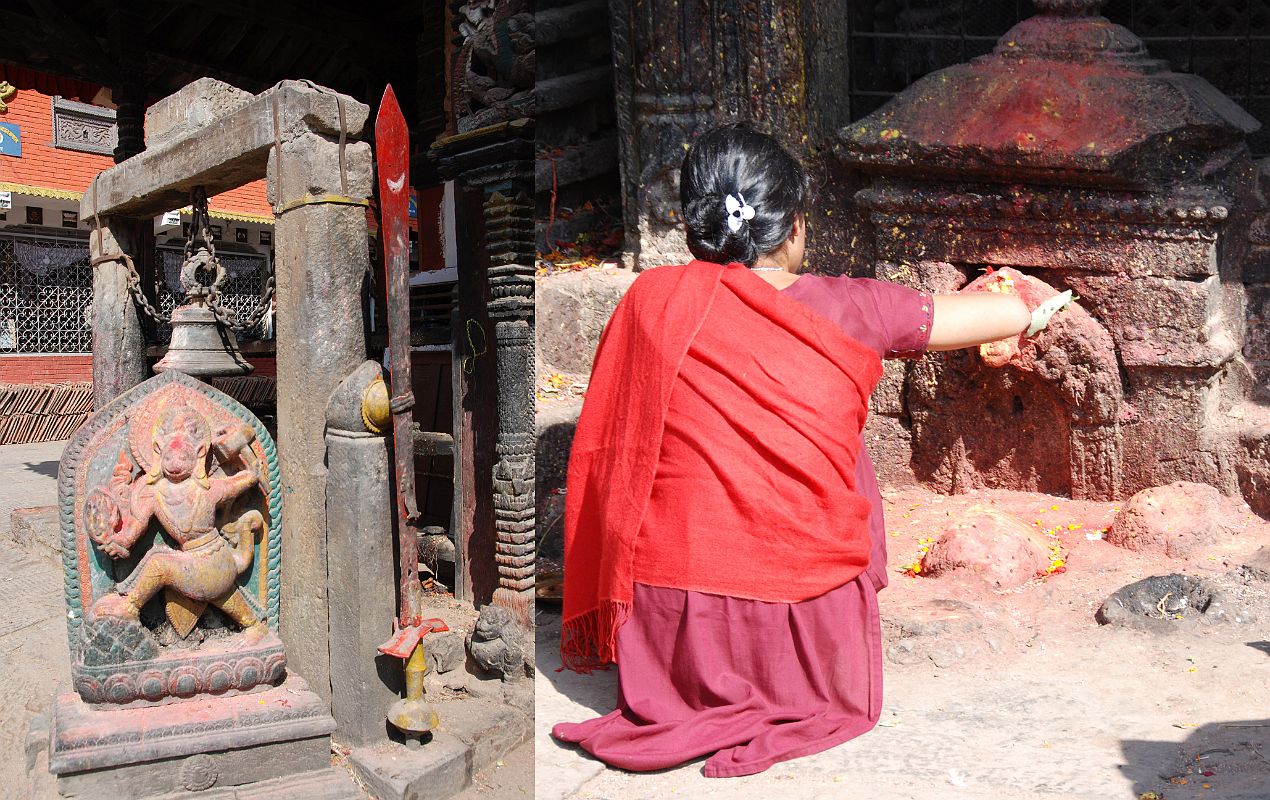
[67, 173]
[45, 369]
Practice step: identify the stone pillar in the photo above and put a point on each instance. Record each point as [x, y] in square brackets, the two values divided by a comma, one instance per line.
[321, 259]
[119, 361]
[669, 88]
[360, 507]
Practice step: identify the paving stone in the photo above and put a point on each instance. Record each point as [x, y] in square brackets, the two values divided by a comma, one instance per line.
[434, 771]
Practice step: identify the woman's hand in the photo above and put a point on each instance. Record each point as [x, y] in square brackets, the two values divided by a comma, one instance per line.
[966, 320]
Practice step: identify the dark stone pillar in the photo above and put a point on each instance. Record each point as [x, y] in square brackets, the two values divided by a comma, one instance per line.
[681, 69]
[129, 88]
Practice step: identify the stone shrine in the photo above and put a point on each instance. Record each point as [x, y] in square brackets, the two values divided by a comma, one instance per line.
[1071, 154]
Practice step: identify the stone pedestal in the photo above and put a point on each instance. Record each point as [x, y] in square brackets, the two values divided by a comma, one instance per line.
[363, 595]
[194, 745]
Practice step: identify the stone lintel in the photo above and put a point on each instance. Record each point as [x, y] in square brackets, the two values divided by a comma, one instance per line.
[226, 153]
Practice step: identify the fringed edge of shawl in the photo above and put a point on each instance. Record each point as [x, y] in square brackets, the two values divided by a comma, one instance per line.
[589, 640]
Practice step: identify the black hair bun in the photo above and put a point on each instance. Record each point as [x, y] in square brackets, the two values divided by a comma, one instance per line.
[739, 161]
[710, 238]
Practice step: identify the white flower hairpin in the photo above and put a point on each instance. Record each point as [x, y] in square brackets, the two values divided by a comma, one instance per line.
[737, 211]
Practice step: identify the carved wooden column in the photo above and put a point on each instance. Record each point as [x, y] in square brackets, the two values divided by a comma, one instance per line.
[498, 160]
[129, 88]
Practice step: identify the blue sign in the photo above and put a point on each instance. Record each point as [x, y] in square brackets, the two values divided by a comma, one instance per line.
[414, 206]
[10, 139]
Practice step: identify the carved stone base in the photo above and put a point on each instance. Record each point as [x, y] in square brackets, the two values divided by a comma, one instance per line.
[110, 752]
[218, 669]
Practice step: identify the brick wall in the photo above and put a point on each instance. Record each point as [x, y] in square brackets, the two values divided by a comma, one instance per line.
[46, 166]
[46, 369]
[42, 164]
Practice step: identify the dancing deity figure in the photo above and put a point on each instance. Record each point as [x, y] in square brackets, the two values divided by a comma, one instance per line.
[176, 489]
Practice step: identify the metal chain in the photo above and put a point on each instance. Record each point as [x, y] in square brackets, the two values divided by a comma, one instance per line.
[134, 288]
[200, 226]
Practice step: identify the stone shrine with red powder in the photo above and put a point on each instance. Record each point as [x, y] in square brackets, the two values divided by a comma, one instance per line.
[1071, 155]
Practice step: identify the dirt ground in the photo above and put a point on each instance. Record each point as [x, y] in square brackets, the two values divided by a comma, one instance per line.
[1006, 695]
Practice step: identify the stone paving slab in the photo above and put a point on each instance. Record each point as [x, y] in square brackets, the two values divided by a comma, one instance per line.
[28, 478]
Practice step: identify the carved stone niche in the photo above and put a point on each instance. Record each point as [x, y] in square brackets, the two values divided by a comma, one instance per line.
[84, 127]
[170, 515]
[1070, 154]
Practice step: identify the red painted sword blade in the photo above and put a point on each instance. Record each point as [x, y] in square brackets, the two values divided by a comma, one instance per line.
[392, 158]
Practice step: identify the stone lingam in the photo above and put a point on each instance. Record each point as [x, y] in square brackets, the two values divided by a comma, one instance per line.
[170, 509]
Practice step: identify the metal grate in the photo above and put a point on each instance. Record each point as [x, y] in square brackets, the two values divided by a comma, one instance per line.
[46, 293]
[895, 42]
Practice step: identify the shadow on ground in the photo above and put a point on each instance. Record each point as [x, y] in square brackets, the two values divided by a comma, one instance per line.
[1229, 760]
[46, 468]
[596, 691]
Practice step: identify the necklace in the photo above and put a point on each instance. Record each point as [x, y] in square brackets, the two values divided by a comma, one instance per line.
[767, 269]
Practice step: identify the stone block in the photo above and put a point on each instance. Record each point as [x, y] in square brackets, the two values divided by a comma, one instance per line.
[187, 746]
[1257, 335]
[311, 166]
[555, 424]
[192, 107]
[332, 783]
[939, 277]
[1171, 520]
[1256, 265]
[1252, 458]
[1160, 321]
[490, 729]
[888, 395]
[36, 530]
[435, 771]
[571, 310]
[889, 443]
[993, 546]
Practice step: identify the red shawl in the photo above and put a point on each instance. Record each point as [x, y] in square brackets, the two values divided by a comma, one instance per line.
[715, 452]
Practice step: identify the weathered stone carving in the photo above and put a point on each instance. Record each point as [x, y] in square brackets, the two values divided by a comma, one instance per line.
[495, 644]
[1070, 153]
[84, 127]
[169, 511]
[493, 68]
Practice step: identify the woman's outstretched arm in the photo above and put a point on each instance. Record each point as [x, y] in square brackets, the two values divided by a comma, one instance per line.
[966, 320]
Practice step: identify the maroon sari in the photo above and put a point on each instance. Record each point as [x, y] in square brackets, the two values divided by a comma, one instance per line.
[755, 682]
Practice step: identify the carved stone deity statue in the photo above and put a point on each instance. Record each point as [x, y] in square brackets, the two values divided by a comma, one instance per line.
[169, 495]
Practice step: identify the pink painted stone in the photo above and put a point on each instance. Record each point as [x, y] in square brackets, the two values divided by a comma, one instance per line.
[1172, 520]
[997, 548]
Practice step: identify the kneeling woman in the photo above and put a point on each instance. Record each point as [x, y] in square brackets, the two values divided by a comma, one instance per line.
[723, 530]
